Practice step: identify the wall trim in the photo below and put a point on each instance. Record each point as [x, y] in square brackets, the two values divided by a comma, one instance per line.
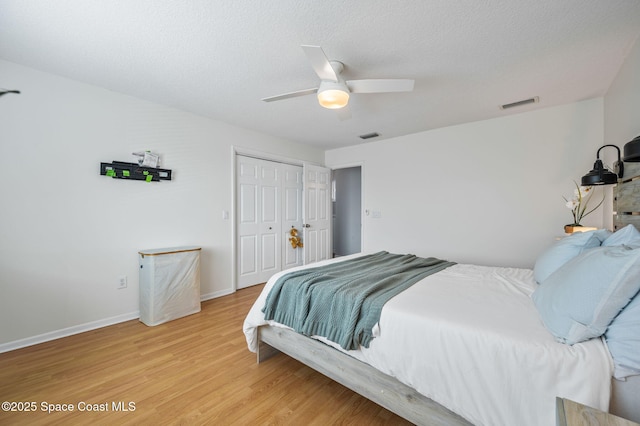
[216, 294]
[238, 150]
[69, 331]
[363, 222]
[89, 326]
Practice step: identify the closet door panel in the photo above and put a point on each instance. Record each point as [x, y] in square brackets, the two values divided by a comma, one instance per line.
[249, 211]
[269, 202]
[291, 214]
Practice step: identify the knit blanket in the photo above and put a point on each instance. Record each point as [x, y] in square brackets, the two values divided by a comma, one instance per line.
[343, 301]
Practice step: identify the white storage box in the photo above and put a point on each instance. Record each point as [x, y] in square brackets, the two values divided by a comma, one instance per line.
[169, 283]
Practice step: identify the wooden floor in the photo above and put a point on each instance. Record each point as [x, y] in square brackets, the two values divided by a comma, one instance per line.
[193, 370]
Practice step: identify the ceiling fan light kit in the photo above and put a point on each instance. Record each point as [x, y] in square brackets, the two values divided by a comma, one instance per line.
[333, 95]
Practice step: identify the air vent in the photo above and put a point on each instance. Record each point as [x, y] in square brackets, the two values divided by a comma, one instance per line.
[369, 135]
[520, 103]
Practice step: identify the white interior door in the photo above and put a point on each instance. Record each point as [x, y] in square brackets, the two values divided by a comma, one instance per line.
[317, 213]
[291, 214]
[269, 198]
[259, 224]
[247, 191]
[270, 226]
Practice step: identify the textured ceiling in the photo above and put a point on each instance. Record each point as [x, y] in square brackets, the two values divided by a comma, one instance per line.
[218, 58]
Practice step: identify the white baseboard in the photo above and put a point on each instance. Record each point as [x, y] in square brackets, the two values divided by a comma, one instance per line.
[216, 294]
[76, 329]
[64, 332]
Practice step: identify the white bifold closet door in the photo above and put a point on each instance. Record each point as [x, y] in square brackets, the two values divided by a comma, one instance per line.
[269, 197]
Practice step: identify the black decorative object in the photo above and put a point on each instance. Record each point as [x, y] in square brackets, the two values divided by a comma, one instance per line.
[601, 176]
[4, 92]
[134, 171]
[632, 150]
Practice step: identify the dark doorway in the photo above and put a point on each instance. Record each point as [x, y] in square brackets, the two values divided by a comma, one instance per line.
[347, 211]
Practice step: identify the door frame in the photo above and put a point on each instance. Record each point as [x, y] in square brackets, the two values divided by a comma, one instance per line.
[261, 155]
[362, 197]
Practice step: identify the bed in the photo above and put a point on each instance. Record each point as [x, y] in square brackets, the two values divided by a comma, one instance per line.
[496, 345]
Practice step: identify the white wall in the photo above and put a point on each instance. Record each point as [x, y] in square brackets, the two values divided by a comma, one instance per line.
[488, 192]
[67, 233]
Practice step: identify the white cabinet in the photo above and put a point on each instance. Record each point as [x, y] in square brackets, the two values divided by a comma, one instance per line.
[169, 283]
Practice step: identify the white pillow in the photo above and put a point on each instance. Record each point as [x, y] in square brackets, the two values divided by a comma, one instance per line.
[579, 300]
[628, 236]
[566, 249]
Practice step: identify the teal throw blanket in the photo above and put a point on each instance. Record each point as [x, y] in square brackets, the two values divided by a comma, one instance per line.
[343, 301]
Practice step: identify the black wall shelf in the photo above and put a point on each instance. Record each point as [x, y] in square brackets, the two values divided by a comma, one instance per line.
[134, 171]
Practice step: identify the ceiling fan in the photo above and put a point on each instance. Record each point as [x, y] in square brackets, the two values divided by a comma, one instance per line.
[333, 91]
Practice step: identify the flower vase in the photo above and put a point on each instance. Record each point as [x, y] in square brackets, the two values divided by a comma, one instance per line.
[570, 229]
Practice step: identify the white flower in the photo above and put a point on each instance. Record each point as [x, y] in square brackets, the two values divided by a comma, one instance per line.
[572, 204]
[578, 204]
[585, 190]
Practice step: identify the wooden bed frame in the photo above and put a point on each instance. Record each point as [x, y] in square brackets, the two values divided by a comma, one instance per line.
[403, 400]
[358, 376]
[626, 206]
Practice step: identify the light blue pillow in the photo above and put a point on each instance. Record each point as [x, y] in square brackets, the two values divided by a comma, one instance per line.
[579, 300]
[566, 249]
[623, 339]
[628, 236]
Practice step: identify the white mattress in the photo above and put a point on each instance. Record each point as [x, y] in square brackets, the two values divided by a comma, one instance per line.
[470, 338]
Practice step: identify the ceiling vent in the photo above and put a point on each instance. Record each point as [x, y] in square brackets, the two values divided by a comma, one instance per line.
[369, 135]
[521, 103]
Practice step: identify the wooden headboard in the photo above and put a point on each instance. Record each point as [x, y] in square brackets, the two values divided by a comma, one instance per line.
[626, 208]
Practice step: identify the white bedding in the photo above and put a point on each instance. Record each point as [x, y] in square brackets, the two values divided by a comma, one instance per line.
[470, 338]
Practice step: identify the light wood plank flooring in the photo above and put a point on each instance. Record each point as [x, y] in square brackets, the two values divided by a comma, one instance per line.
[193, 370]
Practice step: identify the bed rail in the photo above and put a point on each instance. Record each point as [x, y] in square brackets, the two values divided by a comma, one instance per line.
[361, 378]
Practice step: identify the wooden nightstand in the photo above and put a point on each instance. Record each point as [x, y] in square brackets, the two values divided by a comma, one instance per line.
[570, 413]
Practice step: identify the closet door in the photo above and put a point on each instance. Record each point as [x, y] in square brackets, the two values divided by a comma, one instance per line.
[259, 220]
[270, 226]
[269, 197]
[291, 214]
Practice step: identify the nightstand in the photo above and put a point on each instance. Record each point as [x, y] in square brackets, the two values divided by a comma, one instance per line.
[570, 413]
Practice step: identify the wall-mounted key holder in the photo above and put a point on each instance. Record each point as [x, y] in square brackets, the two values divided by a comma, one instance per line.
[134, 171]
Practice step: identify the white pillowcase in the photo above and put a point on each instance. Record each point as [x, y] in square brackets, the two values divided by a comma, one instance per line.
[579, 300]
[566, 249]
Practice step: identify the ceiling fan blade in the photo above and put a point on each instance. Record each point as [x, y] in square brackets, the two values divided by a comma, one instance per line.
[291, 95]
[320, 63]
[380, 85]
[344, 113]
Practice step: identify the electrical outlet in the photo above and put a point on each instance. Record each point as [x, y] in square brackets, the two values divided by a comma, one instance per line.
[122, 282]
